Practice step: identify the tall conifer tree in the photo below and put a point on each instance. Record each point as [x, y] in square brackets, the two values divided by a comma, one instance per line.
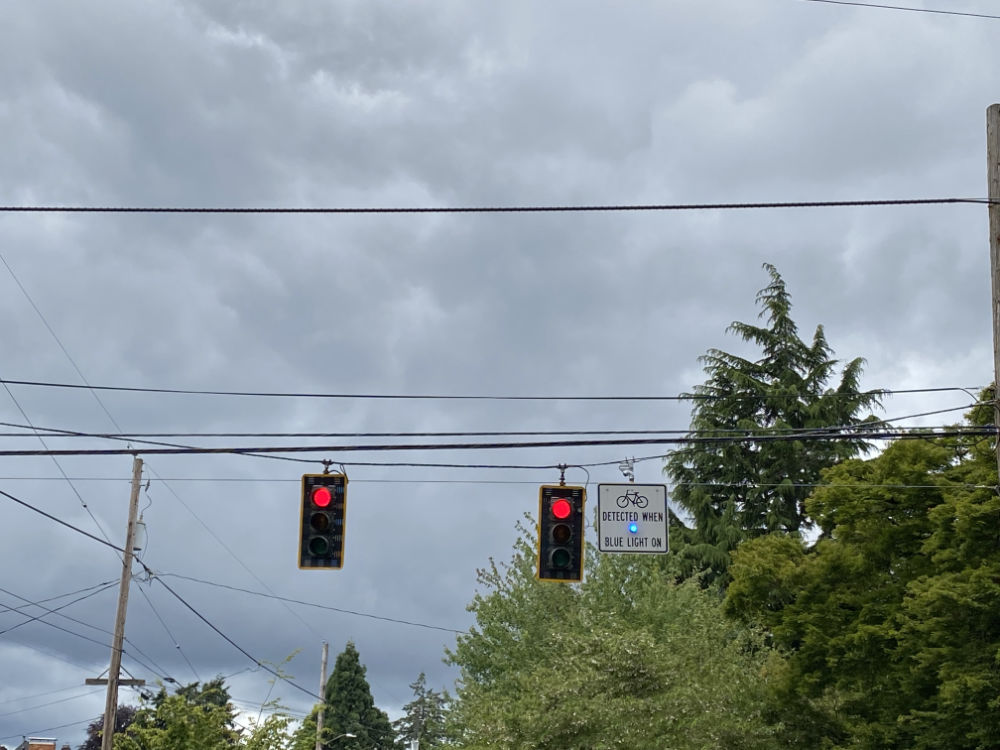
[350, 707]
[738, 490]
[423, 719]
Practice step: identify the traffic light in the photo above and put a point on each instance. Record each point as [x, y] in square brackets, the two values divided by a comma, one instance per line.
[321, 521]
[560, 533]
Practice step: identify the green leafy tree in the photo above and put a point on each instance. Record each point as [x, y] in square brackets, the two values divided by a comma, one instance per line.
[628, 659]
[196, 715]
[177, 724]
[889, 622]
[736, 490]
[349, 708]
[423, 719]
[305, 736]
[270, 734]
[199, 717]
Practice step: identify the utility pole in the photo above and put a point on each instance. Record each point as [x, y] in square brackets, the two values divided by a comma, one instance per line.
[111, 705]
[322, 694]
[993, 180]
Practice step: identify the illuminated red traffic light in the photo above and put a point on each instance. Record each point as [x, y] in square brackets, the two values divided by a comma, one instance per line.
[322, 497]
[561, 508]
[321, 521]
[560, 533]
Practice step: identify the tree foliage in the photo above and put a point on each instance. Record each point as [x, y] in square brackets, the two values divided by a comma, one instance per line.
[124, 716]
[199, 716]
[739, 490]
[423, 719]
[195, 715]
[890, 621]
[348, 708]
[627, 659]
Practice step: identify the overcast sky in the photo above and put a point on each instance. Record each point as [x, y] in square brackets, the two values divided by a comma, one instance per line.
[446, 104]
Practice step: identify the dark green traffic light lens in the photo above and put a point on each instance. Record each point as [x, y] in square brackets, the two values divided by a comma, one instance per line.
[560, 558]
[319, 546]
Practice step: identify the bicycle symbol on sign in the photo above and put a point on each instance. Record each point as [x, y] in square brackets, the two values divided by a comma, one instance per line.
[633, 497]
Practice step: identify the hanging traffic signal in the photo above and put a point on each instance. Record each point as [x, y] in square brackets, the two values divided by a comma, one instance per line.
[321, 521]
[560, 533]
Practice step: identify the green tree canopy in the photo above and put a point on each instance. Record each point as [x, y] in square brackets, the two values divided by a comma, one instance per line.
[199, 717]
[736, 490]
[349, 708]
[628, 659]
[890, 621]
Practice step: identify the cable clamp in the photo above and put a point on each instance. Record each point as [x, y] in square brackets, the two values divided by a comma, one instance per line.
[627, 468]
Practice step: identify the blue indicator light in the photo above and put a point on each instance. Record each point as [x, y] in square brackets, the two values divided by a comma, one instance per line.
[633, 528]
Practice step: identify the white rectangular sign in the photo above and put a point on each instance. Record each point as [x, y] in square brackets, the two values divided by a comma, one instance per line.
[632, 518]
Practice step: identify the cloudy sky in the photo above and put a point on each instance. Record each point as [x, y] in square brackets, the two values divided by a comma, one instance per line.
[365, 104]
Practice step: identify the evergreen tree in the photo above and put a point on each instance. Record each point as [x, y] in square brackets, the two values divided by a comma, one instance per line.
[348, 709]
[423, 718]
[736, 490]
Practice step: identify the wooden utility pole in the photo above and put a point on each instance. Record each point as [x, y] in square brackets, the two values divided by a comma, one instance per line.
[993, 180]
[322, 695]
[111, 705]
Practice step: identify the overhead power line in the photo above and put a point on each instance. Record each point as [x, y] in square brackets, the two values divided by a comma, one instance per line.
[791, 432]
[836, 434]
[130, 436]
[41, 439]
[444, 397]
[159, 577]
[868, 429]
[47, 730]
[592, 208]
[47, 693]
[327, 607]
[58, 520]
[177, 596]
[119, 428]
[908, 8]
[506, 482]
[62, 471]
[86, 694]
[93, 591]
[231, 642]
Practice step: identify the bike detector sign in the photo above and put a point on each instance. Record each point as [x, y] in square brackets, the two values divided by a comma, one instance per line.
[632, 518]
